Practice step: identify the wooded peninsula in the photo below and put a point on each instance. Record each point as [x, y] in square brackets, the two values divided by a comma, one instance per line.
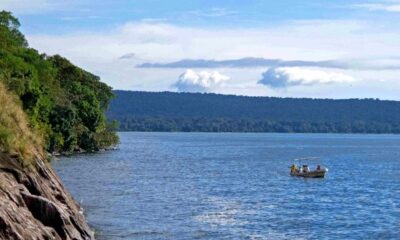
[197, 112]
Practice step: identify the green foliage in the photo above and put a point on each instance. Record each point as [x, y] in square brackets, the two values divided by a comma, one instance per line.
[65, 103]
[87, 100]
[195, 112]
[16, 137]
[10, 36]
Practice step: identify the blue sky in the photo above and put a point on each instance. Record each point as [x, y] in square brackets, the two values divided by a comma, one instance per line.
[347, 48]
[64, 16]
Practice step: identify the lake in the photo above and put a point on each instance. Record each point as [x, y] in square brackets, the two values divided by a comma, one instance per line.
[237, 186]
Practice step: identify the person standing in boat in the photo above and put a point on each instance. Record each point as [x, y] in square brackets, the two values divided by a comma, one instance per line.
[293, 168]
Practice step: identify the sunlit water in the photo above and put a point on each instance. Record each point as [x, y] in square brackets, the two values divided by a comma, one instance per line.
[237, 186]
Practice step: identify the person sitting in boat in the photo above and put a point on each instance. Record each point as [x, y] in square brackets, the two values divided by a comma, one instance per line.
[306, 168]
[293, 168]
[318, 167]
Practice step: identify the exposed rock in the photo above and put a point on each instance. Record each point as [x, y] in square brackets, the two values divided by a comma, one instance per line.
[35, 205]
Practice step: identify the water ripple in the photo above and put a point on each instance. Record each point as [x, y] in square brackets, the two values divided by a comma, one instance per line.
[236, 186]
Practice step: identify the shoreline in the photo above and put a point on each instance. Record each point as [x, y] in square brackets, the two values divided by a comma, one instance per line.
[81, 151]
[236, 132]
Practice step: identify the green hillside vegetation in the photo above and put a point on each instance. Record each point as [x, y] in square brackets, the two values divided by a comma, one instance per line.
[196, 112]
[16, 138]
[64, 103]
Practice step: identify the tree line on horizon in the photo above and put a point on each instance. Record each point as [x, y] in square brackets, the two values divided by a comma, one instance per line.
[197, 112]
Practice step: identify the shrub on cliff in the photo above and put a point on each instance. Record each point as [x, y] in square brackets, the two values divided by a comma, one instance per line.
[63, 102]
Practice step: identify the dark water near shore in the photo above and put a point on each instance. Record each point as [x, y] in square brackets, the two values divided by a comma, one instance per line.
[237, 186]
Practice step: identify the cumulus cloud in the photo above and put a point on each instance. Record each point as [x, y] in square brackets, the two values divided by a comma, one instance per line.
[203, 81]
[98, 51]
[295, 76]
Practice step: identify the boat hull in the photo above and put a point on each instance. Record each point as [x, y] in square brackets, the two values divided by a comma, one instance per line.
[311, 174]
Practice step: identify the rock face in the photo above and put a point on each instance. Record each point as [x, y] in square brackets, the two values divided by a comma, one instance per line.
[35, 205]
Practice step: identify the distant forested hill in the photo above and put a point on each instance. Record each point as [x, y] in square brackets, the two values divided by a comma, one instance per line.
[167, 111]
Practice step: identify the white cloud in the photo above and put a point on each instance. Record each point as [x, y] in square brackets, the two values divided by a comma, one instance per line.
[296, 76]
[166, 42]
[203, 81]
[99, 51]
[389, 7]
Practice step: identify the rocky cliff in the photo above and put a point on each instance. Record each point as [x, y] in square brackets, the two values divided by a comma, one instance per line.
[35, 205]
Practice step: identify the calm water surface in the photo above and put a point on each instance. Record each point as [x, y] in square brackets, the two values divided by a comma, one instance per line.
[237, 186]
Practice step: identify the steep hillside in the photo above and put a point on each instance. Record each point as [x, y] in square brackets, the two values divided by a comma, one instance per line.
[16, 138]
[63, 102]
[47, 104]
[33, 202]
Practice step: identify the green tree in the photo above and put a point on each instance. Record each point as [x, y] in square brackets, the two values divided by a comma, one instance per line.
[65, 103]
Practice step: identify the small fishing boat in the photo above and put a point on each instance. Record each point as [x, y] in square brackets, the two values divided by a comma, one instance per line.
[305, 172]
[310, 174]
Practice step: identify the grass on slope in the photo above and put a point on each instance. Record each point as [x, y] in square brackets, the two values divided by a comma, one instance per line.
[16, 137]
